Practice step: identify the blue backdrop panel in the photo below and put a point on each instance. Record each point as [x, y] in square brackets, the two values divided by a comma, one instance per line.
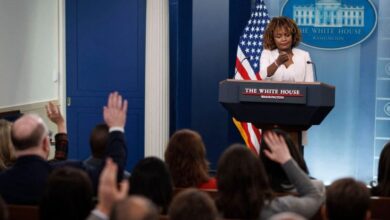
[203, 37]
[209, 66]
[345, 144]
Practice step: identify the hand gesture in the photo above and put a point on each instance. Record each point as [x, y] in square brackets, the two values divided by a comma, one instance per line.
[278, 150]
[54, 114]
[108, 191]
[282, 58]
[115, 112]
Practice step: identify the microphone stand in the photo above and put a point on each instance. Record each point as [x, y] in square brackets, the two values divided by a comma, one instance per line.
[314, 69]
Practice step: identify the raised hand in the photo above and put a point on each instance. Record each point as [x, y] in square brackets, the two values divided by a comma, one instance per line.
[54, 114]
[108, 192]
[115, 112]
[278, 150]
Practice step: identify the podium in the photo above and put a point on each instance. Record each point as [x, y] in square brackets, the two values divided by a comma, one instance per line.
[266, 104]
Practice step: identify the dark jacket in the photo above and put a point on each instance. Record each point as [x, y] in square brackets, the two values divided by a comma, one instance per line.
[24, 183]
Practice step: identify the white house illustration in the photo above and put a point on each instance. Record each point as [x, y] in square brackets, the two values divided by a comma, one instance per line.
[329, 13]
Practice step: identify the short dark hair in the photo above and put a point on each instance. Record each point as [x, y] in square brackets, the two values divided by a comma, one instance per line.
[98, 140]
[347, 199]
[281, 22]
[34, 139]
[68, 195]
[192, 204]
[383, 188]
[151, 178]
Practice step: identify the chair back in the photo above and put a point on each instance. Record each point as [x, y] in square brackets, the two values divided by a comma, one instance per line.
[380, 208]
[23, 212]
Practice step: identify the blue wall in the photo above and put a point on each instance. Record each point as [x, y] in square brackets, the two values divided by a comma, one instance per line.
[343, 145]
[349, 140]
[204, 36]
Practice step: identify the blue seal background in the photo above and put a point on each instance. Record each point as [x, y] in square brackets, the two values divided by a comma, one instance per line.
[337, 39]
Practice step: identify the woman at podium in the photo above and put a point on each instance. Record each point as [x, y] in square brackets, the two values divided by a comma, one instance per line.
[280, 59]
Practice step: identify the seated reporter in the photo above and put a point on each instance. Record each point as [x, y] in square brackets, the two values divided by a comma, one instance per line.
[244, 191]
[347, 198]
[24, 183]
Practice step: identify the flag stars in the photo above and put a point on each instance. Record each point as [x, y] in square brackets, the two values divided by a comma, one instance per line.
[251, 40]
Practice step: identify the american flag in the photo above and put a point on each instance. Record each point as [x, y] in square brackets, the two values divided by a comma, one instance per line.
[249, 50]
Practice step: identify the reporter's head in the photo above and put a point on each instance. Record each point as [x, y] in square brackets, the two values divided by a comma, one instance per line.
[347, 199]
[29, 135]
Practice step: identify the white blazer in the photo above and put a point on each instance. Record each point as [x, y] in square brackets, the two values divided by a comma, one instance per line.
[299, 71]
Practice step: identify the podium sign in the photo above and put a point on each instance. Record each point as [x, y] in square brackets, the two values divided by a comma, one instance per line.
[285, 93]
[292, 106]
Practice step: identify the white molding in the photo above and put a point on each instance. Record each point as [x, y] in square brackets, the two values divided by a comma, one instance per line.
[62, 57]
[156, 77]
[29, 107]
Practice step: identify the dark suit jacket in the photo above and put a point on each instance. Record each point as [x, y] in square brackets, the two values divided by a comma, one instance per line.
[24, 183]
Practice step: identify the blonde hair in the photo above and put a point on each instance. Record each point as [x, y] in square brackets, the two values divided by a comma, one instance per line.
[7, 155]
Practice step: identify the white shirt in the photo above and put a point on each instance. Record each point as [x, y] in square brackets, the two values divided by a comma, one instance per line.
[299, 71]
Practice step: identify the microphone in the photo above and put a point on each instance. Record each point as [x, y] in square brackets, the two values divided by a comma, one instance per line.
[314, 69]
